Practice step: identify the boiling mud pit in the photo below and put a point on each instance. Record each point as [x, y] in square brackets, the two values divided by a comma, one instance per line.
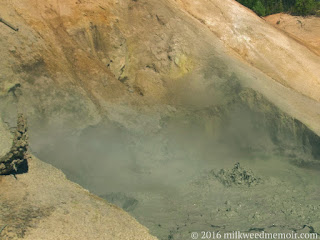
[240, 165]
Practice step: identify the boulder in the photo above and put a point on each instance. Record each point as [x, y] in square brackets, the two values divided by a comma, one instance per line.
[15, 161]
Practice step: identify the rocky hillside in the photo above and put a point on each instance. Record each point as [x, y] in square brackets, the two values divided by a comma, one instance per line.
[305, 30]
[139, 86]
[87, 60]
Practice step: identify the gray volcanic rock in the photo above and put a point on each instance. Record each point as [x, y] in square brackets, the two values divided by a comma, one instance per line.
[237, 176]
[15, 160]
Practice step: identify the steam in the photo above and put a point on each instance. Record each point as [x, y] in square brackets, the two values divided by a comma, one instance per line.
[108, 158]
[144, 172]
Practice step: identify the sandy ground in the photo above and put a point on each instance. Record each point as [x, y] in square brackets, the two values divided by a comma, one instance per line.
[43, 204]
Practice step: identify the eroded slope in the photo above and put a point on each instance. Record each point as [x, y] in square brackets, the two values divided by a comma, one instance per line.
[305, 30]
[43, 204]
[90, 60]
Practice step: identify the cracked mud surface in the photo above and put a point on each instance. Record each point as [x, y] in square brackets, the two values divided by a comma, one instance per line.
[286, 201]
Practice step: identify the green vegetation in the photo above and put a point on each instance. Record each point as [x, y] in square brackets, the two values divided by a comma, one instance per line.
[296, 7]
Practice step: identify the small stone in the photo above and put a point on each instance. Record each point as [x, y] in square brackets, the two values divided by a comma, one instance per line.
[306, 229]
[12, 49]
[316, 226]
[2, 166]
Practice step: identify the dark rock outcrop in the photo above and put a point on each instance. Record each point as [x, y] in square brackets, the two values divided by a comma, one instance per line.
[15, 161]
[237, 176]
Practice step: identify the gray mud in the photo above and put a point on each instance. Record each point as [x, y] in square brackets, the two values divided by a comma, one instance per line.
[171, 180]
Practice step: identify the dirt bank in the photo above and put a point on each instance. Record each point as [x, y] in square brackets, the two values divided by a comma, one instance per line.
[306, 30]
[43, 204]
